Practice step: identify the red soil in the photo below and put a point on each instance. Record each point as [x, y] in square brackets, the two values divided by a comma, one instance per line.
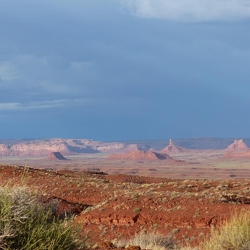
[118, 206]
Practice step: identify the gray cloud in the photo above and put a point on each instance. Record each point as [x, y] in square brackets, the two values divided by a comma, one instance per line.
[15, 106]
[190, 10]
[34, 77]
[51, 104]
[88, 65]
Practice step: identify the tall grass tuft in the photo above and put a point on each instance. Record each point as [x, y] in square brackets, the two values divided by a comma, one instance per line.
[26, 223]
[233, 235]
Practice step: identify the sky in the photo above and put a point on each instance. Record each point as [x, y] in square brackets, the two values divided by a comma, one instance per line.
[124, 69]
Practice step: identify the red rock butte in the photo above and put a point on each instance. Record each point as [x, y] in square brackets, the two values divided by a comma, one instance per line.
[172, 148]
[56, 156]
[238, 149]
[140, 155]
[238, 145]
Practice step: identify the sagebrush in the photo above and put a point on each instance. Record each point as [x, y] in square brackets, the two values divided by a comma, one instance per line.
[27, 223]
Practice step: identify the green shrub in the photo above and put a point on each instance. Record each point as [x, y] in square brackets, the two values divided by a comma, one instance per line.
[233, 235]
[137, 210]
[26, 223]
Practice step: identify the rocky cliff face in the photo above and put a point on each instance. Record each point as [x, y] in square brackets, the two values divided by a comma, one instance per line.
[40, 148]
[64, 146]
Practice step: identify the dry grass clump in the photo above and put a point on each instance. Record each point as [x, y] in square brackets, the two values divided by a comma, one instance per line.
[26, 223]
[233, 235]
[146, 240]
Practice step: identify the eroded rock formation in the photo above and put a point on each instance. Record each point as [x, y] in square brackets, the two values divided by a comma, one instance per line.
[140, 155]
[56, 156]
[172, 148]
[238, 149]
[238, 145]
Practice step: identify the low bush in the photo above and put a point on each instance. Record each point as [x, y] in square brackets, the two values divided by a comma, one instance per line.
[26, 223]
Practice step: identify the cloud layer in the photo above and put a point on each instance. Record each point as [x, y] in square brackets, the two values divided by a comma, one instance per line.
[190, 10]
[88, 68]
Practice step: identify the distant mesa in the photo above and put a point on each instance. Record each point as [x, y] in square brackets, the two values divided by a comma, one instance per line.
[140, 155]
[172, 148]
[68, 147]
[238, 145]
[4, 150]
[56, 156]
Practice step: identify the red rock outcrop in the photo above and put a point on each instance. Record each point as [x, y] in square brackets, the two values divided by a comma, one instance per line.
[172, 148]
[238, 145]
[56, 156]
[140, 155]
[238, 149]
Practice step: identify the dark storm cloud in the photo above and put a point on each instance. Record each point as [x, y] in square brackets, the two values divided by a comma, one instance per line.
[93, 69]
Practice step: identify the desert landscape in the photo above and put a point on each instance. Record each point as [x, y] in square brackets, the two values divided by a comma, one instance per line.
[204, 158]
[124, 125]
[117, 190]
